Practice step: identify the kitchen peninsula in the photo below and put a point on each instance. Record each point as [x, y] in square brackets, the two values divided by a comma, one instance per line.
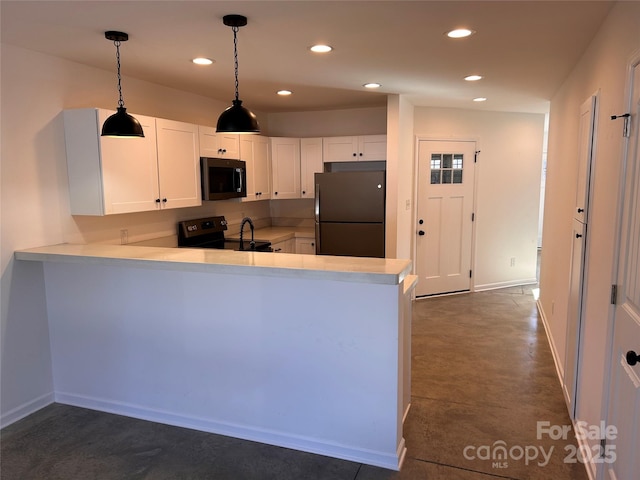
[302, 351]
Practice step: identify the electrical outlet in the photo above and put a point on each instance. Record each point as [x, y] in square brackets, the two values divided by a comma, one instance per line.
[124, 236]
[513, 261]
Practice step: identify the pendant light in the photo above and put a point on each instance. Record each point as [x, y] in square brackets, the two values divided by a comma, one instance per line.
[236, 118]
[120, 124]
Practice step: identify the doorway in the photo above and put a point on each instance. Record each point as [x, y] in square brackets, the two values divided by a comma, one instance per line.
[444, 223]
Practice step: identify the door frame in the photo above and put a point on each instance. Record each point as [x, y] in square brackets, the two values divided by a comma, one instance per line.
[633, 62]
[416, 186]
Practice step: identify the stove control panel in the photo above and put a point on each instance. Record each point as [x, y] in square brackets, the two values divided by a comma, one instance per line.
[202, 226]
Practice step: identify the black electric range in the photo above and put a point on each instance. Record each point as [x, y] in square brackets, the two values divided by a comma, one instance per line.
[209, 233]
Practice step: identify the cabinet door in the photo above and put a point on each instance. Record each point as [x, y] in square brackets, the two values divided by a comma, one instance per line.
[229, 145]
[246, 154]
[287, 246]
[130, 169]
[310, 164]
[178, 164]
[218, 145]
[254, 150]
[285, 163]
[208, 142]
[372, 148]
[340, 149]
[262, 166]
[306, 246]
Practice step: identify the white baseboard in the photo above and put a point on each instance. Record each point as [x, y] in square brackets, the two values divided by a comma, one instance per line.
[25, 409]
[305, 444]
[552, 345]
[510, 283]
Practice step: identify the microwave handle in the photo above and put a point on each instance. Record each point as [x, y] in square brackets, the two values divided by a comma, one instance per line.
[239, 172]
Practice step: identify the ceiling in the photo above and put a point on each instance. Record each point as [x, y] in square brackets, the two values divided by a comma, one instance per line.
[525, 49]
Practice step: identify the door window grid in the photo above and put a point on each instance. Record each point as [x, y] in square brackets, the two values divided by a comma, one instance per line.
[446, 168]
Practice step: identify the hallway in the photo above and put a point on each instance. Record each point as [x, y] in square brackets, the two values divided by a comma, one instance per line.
[483, 376]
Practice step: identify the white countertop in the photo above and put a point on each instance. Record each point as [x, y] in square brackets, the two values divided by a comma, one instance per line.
[347, 269]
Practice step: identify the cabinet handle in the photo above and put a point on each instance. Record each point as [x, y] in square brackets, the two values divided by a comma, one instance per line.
[421, 232]
[632, 358]
[275, 193]
[304, 192]
[578, 235]
[157, 200]
[313, 244]
[360, 153]
[355, 154]
[580, 210]
[164, 200]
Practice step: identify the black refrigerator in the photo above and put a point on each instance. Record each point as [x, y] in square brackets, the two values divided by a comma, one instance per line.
[349, 213]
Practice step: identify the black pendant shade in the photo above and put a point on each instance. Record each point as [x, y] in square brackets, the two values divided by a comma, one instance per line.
[120, 124]
[236, 118]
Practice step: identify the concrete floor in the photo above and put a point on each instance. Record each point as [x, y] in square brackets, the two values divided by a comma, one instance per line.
[483, 376]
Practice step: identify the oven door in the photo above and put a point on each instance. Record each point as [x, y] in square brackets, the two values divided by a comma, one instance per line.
[223, 178]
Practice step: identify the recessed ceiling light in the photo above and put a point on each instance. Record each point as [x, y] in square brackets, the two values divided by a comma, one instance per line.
[284, 92]
[371, 85]
[473, 78]
[321, 48]
[202, 61]
[480, 99]
[460, 33]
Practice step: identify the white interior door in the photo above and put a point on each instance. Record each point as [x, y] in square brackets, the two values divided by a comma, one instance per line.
[624, 399]
[575, 324]
[444, 221]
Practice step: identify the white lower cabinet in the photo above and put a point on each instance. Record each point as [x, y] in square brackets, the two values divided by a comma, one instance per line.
[306, 246]
[286, 246]
[109, 175]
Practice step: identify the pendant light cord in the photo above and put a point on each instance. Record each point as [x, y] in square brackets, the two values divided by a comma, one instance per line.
[235, 55]
[120, 101]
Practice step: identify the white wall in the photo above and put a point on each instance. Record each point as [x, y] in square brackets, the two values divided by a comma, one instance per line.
[400, 178]
[35, 205]
[603, 68]
[507, 187]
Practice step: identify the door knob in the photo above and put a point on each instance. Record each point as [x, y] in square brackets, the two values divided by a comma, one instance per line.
[420, 232]
[632, 358]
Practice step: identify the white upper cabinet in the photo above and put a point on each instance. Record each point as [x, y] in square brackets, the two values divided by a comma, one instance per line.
[109, 175]
[354, 149]
[178, 164]
[310, 164]
[285, 164]
[218, 145]
[254, 150]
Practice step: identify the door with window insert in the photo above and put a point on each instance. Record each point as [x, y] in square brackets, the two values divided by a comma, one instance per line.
[444, 216]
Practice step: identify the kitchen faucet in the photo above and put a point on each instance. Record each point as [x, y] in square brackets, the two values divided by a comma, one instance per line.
[252, 244]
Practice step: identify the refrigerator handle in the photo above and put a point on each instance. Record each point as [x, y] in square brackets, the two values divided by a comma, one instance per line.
[317, 208]
[318, 236]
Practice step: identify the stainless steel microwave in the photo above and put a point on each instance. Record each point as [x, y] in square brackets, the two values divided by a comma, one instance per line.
[223, 178]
